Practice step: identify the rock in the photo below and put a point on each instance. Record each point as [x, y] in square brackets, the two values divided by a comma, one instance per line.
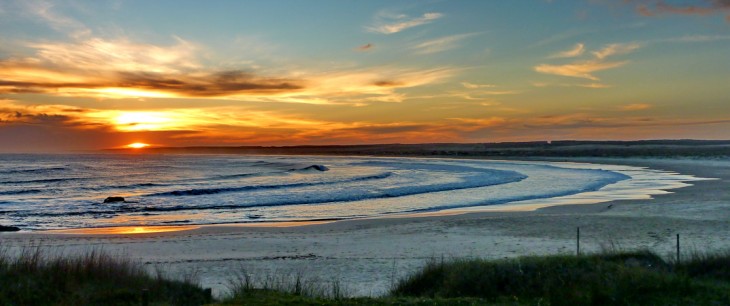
[4, 228]
[312, 168]
[113, 199]
[317, 167]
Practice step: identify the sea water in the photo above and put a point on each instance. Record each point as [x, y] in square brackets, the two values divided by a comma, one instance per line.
[39, 192]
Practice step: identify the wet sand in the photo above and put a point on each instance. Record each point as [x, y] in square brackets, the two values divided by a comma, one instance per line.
[367, 255]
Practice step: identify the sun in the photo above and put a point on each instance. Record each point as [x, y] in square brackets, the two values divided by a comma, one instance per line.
[137, 145]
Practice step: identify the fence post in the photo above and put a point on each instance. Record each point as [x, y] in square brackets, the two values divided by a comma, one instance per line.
[577, 241]
[677, 248]
[145, 297]
[208, 294]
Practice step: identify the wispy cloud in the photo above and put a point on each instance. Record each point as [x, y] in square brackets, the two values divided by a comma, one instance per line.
[587, 85]
[615, 49]
[583, 69]
[388, 23]
[476, 86]
[45, 11]
[586, 68]
[692, 39]
[576, 51]
[365, 47]
[96, 54]
[594, 85]
[440, 44]
[636, 107]
[696, 7]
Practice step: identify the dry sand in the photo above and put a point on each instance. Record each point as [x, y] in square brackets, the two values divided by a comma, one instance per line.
[367, 255]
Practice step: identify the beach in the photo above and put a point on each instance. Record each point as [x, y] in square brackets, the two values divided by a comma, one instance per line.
[367, 255]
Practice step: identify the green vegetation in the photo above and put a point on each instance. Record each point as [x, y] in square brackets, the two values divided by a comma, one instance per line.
[628, 278]
[33, 277]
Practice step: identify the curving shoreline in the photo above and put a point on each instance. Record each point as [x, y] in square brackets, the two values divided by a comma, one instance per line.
[364, 253]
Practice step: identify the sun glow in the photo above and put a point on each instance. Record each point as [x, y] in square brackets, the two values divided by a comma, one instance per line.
[137, 145]
[126, 230]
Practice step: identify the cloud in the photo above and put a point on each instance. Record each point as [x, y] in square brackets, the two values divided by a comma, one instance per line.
[472, 124]
[365, 47]
[476, 86]
[33, 78]
[692, 39]
[636, 107]
[119, 55]
[583, 69]
[121, 69]
[440, 44]
[697, 7]
[615, 49]
[594, 85]
[45, 11]
[387, 23]
[588, 85]
[576, 51]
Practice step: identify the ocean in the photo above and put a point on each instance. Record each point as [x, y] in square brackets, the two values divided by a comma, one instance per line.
[41, 192]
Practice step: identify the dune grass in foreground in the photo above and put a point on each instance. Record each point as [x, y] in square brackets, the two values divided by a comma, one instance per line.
[37, 277]
[612, 278]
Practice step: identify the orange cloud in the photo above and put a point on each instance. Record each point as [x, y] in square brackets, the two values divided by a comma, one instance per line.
[365, 47]
[576, 51]
[615, 49]
[702, 7]
[585, 69]
[636, 107]
[579, 69]
[121, 69]
[476, 86]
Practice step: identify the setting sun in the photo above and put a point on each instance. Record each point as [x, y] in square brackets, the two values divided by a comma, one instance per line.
[137, 145]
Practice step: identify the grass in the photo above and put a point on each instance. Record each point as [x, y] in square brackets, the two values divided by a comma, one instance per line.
[625, 278]
[35, 277]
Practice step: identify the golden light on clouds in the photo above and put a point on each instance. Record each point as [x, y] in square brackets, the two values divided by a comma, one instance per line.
[143, 121]
[130, 92]
[100, 82]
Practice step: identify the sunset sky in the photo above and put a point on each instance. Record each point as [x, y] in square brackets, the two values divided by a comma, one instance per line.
[85, 75]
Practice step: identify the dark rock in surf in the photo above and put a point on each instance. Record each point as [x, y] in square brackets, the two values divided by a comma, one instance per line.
[316, 167]
[4, 228]
[113, 199]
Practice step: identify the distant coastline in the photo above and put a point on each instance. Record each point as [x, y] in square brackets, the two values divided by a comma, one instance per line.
[562, 148]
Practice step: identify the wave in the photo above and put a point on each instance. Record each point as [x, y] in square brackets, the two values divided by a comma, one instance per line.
[334, 197]
[611, 178]
[34, 170]
[22, 191]
[208, 191]
[51, 180]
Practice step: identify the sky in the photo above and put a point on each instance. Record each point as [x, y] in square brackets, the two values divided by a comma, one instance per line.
[87, 75]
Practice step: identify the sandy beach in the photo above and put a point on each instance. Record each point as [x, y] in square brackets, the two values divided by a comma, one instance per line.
[367, 255]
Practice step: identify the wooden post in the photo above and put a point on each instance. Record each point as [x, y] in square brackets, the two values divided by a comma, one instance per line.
[677, 248]
[145, 297]
[577, 241]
